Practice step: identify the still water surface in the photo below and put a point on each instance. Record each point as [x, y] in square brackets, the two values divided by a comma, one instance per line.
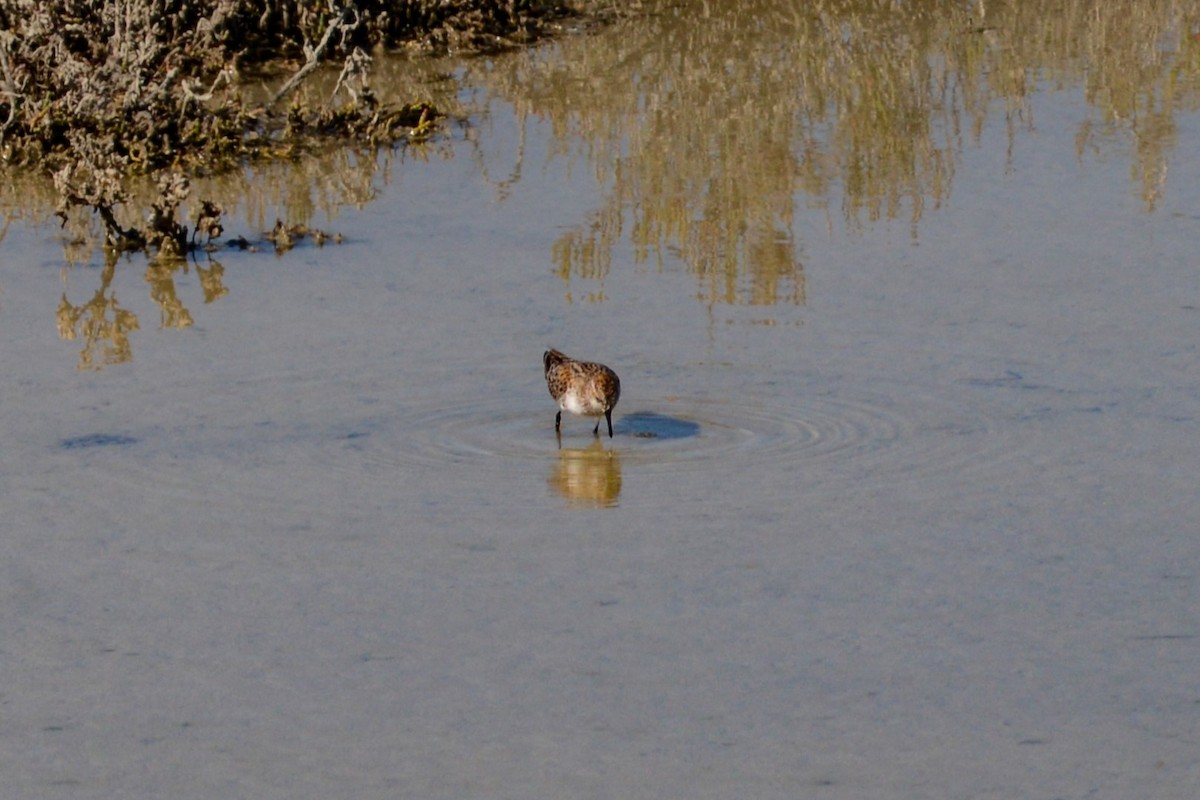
[902, 498]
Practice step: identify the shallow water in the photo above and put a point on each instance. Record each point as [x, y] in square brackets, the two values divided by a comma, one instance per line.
[901, 501]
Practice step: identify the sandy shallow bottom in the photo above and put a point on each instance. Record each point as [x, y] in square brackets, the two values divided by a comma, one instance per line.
[932, 534]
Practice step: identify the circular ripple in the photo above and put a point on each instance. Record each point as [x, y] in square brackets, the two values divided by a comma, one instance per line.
[664, 433]
[870, 434]
[863, 440]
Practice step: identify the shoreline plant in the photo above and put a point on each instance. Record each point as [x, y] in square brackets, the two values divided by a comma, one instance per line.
[97, 92]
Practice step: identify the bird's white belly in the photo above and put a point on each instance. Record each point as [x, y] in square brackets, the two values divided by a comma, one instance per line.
[580, 406]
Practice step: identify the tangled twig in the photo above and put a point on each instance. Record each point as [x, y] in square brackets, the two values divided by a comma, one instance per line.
[339, 23]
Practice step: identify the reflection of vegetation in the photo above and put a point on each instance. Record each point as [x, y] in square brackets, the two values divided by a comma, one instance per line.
[210, 281]
[160, 275]
[588, 477]
[104, 325]
[1139, 63]
[301, 190]
[713, 126]
[707, 121]
[105, 337]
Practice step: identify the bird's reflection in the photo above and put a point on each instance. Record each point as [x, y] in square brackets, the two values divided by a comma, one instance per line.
[588, 477]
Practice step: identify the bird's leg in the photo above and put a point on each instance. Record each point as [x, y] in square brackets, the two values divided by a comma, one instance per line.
[557, 421]
[596, 430]
[607, 416]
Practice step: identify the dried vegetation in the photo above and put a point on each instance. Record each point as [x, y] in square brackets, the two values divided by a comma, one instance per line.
[96, 92]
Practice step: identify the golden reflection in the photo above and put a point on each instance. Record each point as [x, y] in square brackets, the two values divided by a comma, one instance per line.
[104, 325]
[160, 275]
[588, 477]
[101, 322]
[211, 280]
[712, 124]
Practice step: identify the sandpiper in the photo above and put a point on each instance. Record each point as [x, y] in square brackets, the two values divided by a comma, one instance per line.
[581, 387]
